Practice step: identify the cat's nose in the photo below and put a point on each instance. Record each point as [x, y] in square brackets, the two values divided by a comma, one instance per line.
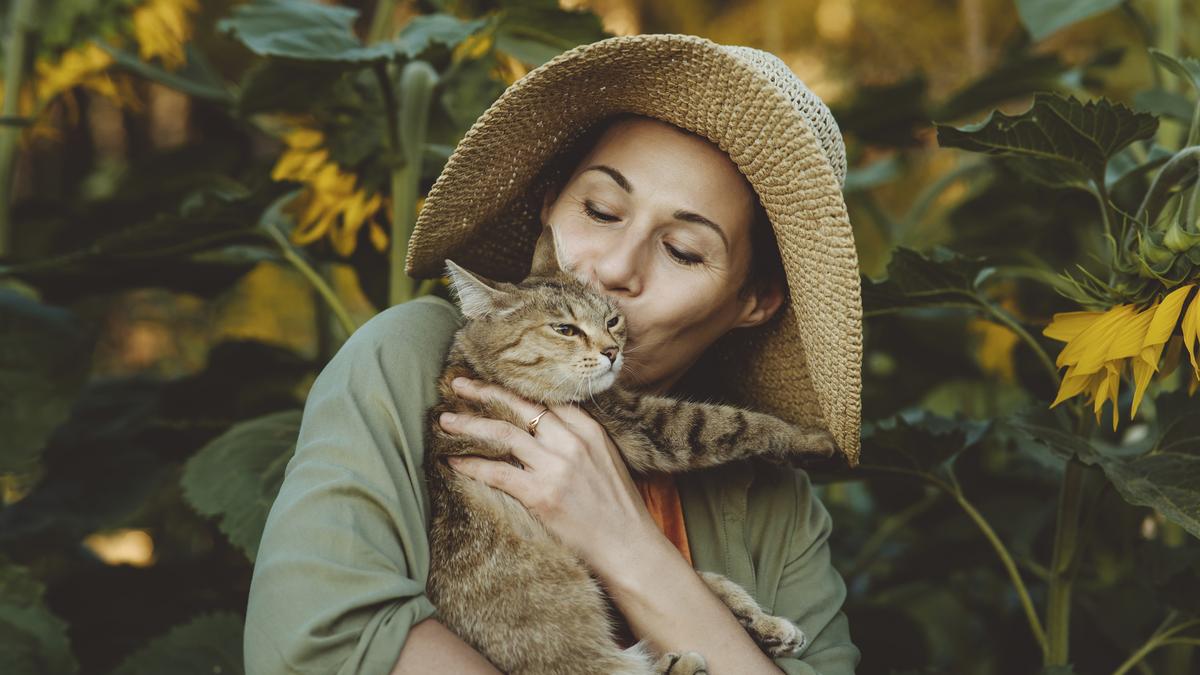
[611, 353]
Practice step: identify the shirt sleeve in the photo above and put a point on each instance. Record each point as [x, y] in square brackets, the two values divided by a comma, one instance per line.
[340, 573]
[811, 592]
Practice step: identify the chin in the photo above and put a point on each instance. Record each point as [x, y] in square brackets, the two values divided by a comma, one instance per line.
[603, 381]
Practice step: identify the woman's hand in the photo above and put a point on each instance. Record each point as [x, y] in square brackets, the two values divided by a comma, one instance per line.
[574, 481]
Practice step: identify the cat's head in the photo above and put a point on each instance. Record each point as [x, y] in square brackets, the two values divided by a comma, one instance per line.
[549, 338]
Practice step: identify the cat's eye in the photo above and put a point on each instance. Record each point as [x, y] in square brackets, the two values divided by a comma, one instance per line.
[565, 329]
[612, 323]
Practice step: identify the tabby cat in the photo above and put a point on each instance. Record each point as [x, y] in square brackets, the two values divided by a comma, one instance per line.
[498, 578]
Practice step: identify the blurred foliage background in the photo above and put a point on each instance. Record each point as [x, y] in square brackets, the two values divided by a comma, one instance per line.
[199, 201]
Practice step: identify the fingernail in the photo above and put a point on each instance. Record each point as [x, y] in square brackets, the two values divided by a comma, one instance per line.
[447, 418]
[460, 382]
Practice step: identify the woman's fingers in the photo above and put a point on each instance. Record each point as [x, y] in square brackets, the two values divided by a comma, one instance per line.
[498, 474]
[496, 433]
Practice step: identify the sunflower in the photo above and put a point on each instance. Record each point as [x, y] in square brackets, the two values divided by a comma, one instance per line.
[1102, 346]
[330, 204]
[162, 27]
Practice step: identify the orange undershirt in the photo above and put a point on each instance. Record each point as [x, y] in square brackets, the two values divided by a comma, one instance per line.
[662, 500]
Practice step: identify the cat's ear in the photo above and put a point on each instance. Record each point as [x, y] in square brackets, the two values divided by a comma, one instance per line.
[547, 260]
[476, 298]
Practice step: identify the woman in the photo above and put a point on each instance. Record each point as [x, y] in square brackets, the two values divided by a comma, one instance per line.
[697, 184]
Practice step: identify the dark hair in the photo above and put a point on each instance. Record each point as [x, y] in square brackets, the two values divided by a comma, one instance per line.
[766, 265]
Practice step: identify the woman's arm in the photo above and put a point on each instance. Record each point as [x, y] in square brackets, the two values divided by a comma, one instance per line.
[433, 648]
[668, 604]
[339, 577]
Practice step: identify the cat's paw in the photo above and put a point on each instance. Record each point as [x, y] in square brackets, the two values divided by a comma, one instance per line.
[687, 663]
[776, 635]
[816, 441]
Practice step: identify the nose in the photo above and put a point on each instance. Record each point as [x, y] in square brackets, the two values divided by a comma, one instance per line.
[617, 266]
[611, 353]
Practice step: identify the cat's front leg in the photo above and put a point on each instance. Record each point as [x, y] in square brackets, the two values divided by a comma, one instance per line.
[774, 634]
[663, 434]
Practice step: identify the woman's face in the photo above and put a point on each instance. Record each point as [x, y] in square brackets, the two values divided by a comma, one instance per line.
[659, 219]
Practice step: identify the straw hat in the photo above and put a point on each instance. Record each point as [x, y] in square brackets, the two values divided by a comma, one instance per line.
[483, 211]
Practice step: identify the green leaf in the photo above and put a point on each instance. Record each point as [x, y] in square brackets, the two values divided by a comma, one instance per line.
[1164, 104]
[211, 643]
[1186, 68]
[286, 86]
[428, 29]
[1058, 141]
[33, 641]
[209, 90]
[237, 475]
[1043, 17]
[1165, 477]
[535, 31]
[914, 441]
[469, 90]
[45, 355]
[304, 30]
[917, 280]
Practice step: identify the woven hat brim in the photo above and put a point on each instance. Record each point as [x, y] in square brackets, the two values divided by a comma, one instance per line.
[483, 210]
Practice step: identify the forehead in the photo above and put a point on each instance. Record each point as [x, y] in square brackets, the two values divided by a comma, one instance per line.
[675, 167]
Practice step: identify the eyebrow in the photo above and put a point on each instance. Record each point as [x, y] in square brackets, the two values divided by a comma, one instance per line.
[681, 214]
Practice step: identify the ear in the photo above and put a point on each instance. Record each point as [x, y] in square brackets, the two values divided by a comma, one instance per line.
[546, 255]
[761, 305]
[475, 297]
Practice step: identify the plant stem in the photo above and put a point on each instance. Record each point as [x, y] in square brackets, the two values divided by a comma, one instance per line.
[1010, 566]
[381, 21]
[318, 282]
[1058, 602]
[1159, 638]
[1003, 317]
[20, 16]
[1006, 559]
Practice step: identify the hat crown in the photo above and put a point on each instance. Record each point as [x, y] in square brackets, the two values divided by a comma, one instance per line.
[808, 104]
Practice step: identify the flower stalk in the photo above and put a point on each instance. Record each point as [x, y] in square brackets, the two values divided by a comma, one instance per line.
[20, 24]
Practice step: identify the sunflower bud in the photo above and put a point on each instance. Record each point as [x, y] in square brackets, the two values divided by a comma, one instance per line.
[1150, 251]
[1179, 241]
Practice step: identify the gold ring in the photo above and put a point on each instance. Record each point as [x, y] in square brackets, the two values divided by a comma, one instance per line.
[531, 425]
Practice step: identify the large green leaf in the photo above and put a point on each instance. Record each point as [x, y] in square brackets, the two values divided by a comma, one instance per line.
[33, 641]
[913, 441]
[209, 644]
[45, 355]
[1043, 17]
[1058, 141]
[915, 280]
[429, 29]
[237, 475]
[535, 31]
[301, 29]
[1162, 472]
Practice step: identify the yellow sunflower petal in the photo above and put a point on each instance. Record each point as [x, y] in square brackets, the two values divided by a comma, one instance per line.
[1165, 315]
[379, 237]
[1090, 348]
[1066, 325]
[1191, 326]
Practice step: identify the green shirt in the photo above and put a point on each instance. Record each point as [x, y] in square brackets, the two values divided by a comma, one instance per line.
[342, 564]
